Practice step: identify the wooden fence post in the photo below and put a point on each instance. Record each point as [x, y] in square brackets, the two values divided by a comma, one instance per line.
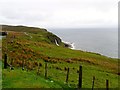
[67, 75]
[27, 66]
[5, 61]
[107, 84]
[23, 65]
[38, 72]
[80, 78]
[46, 70]
[93, 82]
[11, 65]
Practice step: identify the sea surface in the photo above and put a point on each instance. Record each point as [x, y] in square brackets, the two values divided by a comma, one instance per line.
[99, 40]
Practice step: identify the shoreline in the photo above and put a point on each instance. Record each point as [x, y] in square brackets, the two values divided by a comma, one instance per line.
[72, 46]
[69, 45]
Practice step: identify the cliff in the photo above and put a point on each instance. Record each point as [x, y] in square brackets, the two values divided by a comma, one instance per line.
[48, 37]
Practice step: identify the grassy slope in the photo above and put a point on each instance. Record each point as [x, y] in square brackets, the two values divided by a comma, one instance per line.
[26, 79]
[41, 49]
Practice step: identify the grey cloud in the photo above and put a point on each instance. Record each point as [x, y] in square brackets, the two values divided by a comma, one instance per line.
[59, 13]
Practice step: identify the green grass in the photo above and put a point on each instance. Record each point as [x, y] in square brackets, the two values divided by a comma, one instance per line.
[0, 74]
[39, 49]
[18, 78]
[23, 79]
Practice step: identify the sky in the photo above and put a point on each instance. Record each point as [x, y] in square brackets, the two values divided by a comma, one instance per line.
[60, 13]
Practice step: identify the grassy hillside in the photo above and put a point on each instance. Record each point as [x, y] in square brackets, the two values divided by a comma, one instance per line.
[29, 47]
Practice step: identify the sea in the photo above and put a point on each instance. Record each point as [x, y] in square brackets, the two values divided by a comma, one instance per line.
[99, 40]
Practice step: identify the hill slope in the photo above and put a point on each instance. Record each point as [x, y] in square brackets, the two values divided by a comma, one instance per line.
[28, 46]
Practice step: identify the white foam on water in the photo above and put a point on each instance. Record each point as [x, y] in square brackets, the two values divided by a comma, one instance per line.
[72, 45]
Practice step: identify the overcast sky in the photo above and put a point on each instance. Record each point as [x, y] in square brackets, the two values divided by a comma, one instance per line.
[60, 13]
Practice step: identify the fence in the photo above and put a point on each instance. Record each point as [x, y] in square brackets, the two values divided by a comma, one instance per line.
[67, 74]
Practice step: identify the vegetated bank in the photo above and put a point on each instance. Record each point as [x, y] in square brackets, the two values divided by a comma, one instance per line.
[29, 47]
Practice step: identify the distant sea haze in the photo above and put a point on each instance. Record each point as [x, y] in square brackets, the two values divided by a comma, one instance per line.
[98, 40]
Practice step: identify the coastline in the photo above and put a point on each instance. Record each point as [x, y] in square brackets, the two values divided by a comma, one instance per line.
[72, 46]
[69, 45]
[99, 40]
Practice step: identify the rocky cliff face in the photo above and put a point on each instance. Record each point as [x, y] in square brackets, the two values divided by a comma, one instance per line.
[54, 39]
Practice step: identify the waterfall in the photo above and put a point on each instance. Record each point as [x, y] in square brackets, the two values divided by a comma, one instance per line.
[56, 42]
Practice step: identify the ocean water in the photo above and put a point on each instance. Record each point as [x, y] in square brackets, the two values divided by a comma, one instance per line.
[99, 40]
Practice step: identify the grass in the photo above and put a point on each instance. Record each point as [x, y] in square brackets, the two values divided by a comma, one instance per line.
[0, 75]
[41, 48]
[24, 79]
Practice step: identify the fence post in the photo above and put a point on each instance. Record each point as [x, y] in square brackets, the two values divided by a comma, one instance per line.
[38, 72]
[80, 78]
[46, 70]
[23, 65]
[11, 65]
[107, 84]
[5, 61]
[67, 75]
[93, 82]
